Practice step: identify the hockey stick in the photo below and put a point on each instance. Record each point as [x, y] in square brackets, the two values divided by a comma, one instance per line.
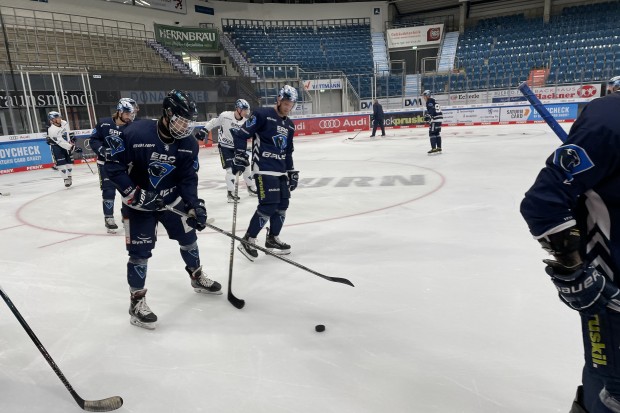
[5, 193]
[236, 302]
[104, 405]
[542, 111]
[87, 164]
[266, 251]
[354, 136]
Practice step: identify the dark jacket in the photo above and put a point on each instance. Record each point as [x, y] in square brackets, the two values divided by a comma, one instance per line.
[377, 112]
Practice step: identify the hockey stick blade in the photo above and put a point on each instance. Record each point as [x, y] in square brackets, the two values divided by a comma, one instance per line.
[104, 405]
[266, 251]
[542, 111]
[5, 193]
[354, 136]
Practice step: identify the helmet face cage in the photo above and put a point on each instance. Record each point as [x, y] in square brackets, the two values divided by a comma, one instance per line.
[181, 112]
[288, 93]
[180, 127]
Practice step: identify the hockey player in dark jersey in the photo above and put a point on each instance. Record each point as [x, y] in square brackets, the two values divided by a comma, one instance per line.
[106, 129]
[153, 165]
[434, 117]
[272, 133]
[573, 210]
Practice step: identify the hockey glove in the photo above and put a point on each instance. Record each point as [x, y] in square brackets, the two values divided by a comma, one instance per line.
[293, 179]
[427, 118]
[201, 134]
[145, 200]
[240, 161]
[586, 290]
[105, 153]
[197, 216]
[49, 141]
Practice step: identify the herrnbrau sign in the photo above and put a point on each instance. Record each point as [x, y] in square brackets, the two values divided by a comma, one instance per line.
[187, 38]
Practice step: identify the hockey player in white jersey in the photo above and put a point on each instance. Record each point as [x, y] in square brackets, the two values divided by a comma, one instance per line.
[62, 144]
[225, 143]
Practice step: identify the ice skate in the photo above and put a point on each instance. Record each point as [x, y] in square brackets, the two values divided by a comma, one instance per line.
[202, 284]
[68, 181]
[252, 192]
[275, 245]
[111, 225]
[141, 314]
[232, 198]
[247, 249]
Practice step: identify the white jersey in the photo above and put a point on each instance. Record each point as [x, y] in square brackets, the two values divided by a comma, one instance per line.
[60, 135]
[225, 121]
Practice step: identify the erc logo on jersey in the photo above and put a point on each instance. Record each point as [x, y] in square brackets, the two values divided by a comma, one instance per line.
[250, 122]
[115, 143]
[572, 159]
[158, 171]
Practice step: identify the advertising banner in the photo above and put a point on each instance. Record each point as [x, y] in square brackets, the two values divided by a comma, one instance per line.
[561, 112]
[323, 84]
[24, 156]
[409, 119]
[187, 38]
[547, 93]
[414, 36]
[41, 99]
[478, 115]
[333, 124]
[302, 108]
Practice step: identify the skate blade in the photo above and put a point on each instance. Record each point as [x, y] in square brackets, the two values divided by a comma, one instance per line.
[135, 322]
[203, 291]
[245, 254]
[278, 252]
[112, 230]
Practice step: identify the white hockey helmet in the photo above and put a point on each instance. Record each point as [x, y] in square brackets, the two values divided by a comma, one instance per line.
[53, 115]
[288, 93]
[613, 85]
[426, 93]
[242, 104]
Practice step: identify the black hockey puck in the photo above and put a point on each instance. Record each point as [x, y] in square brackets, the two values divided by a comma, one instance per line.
[319, 328]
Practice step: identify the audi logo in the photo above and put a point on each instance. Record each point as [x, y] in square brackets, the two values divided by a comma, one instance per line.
[329, 123]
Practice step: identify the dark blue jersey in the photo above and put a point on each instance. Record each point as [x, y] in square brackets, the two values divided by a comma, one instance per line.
[580, 184]
[141, 158]
[272, 141]
[433, 109]
[106, 127]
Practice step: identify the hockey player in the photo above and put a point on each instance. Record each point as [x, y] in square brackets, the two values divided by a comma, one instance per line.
[153, 165]
[378, 118]
[225, 143]
[434, 117]
[62, 144]
[106, 129]
[272, 133]
[573, 211]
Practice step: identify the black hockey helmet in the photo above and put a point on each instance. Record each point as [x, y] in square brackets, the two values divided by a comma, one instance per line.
[180, 110]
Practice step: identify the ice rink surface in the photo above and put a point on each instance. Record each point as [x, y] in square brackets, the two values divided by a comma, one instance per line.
[451, 311]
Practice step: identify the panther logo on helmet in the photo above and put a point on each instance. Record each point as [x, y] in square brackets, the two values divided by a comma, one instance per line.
[53, 115]
[242, 104]
[288, 93]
